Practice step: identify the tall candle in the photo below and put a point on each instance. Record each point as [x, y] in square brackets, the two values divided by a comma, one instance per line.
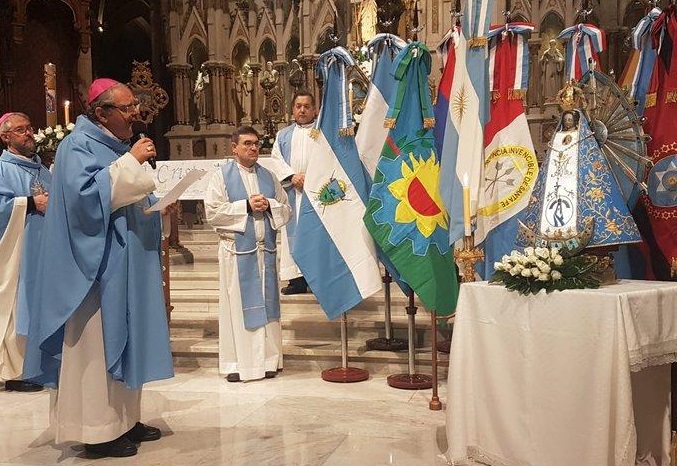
[466, 205]
[67, 111]
[350, 95]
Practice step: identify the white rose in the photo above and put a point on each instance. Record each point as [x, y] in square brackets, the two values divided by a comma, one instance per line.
[535, 272]
[543, 253]
[558, 260]
[554, 252]
[529, 251]
[545, 268]
[39, 137]
[514, 271]
[498, 265]
[49, 130]
[59, 135]
[556, 275]
[505, 259]
[526, 273]
[70, 126]
[518, 269]
[514, 253]
[543, 277]
[507, 267]
[58, 128]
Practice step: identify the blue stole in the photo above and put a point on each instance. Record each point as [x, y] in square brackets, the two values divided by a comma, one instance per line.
[88, 250]
[17, 176]
[284, 140]
[258, 308]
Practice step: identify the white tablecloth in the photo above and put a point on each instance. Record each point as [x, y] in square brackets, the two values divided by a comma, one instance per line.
[573, 378]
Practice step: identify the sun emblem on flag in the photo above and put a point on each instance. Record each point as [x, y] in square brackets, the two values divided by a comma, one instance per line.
[459, 103]
[331, 192]
[418, 195]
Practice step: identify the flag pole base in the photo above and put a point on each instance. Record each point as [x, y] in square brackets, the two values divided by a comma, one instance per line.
[386, 344]
[435, 404]
[345, 375]
[410, 381]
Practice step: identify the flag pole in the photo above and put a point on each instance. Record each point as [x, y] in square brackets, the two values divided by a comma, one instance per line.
[388, 343]
[410, 380]
[344, 374]
[435, 403]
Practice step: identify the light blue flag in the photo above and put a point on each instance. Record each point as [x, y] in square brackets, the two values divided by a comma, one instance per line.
[336, 255]
[462, 110]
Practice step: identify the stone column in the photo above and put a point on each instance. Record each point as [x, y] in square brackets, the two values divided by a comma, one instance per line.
[230, 111]
[282, 68]
[179, 75]
[214, 92]
[256, 92]
[187, 93]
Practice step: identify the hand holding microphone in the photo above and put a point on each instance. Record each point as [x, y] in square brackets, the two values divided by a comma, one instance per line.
[143, 149]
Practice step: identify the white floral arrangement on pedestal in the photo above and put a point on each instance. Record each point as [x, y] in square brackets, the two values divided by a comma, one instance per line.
[49, 138]
[544, 269]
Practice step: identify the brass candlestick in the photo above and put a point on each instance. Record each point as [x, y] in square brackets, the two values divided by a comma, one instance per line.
[467, 257]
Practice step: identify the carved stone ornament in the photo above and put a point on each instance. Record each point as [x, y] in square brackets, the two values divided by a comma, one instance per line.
[152, 98]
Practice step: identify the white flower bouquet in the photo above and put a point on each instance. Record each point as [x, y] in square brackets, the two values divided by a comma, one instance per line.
[544, 269]
[49, 138]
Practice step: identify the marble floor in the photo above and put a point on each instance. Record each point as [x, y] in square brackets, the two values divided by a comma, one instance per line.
[294, 419]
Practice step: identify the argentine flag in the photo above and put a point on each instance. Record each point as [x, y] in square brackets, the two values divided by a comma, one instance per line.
[336, 255]
[383, 49]
[462, 110]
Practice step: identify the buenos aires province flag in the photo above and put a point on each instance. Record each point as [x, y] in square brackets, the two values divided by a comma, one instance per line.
[405, 214]
[336, 254]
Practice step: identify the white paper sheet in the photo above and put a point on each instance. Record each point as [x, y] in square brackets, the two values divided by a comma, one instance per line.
[173, 195]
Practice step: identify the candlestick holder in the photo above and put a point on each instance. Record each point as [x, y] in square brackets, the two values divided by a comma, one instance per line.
[467, 257]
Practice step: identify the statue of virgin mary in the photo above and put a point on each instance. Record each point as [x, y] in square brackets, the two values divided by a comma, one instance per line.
[576, 202]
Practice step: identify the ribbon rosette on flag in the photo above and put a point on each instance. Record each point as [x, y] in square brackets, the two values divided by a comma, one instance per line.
[372, 134]
[510, 165]
[405, 214]
[337, 255]
[638, 69]
[586, 42]
[462, 109]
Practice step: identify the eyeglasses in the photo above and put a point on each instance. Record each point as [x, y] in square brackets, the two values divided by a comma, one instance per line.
[249, 144]
[126, 109]
[22, 131]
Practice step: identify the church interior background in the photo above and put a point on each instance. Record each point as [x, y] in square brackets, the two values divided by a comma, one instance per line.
[253, 53]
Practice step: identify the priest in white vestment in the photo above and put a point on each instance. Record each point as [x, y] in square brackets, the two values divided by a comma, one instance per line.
[289, 161]
[246, 205]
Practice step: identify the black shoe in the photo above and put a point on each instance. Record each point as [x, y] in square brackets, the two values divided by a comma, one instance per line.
[296, 286]
[270, 374]
[22, 386]
[143, 433]
[118, 448]
[234, 377]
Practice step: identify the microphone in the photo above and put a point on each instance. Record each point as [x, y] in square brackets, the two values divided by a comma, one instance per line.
[139, 130]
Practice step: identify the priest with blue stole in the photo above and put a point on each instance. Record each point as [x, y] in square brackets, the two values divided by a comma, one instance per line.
[99, 331]
[24, 195]
[289, 162]
[246, 205]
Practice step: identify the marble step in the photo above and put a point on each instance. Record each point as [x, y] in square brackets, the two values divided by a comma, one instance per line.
[204, 353]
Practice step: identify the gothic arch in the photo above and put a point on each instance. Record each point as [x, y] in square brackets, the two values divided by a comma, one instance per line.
[293, 49]
[240, 54]
[194, 30]
[552, 24]
[267, 50]
[323, 42]
[634, 11]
